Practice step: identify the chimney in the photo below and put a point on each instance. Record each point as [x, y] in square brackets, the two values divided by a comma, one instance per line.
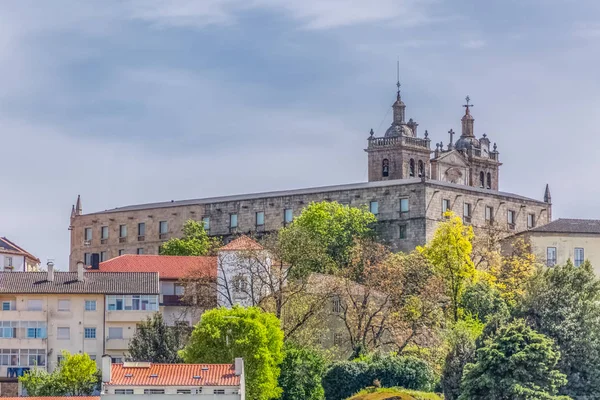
[239, 366]
[50, 266]
[106, 368]
[80, 271]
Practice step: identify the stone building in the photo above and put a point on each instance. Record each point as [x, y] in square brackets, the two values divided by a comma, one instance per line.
[409, 188]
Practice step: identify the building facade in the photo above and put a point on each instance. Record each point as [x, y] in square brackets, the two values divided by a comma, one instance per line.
[409, 188]
[15, 258]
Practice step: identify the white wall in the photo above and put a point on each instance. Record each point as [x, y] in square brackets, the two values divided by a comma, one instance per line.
[17, 261]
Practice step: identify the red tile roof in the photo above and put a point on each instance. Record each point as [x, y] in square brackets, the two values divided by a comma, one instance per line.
[242, 243]
[174, 375]
[168, 267]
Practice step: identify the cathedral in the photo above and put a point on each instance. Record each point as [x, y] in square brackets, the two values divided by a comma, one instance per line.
[402, 154]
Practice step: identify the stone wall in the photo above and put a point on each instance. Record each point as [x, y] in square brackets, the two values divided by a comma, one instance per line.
[9, 389]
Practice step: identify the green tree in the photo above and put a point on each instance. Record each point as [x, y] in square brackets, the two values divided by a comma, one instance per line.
[301, 373]
[157, 342]
[450, 253]
[564, 303]
[76, 375]
[517, 363]
[224, 334]
[483, 302]
[195, 242]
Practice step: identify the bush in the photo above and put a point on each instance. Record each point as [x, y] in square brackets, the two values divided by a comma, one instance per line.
[345, 378]
[301, 373]
[396, 393]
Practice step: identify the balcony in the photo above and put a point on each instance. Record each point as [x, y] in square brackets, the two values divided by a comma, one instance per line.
[128, 316]
[24, 315]
[117, 344]
[172, 300]
[398, 141]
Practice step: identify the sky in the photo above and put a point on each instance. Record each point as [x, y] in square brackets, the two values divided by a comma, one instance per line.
[134, 101]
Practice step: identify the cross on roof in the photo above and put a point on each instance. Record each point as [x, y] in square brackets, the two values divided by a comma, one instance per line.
[468, 99]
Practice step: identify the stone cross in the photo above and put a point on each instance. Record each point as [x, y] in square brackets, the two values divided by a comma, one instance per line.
[451, 132]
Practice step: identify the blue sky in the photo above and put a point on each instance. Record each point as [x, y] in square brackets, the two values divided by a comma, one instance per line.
[131, 101]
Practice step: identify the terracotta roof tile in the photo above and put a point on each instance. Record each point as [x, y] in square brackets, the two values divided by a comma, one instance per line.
[242, 243]
[174, 375]
[168, 267]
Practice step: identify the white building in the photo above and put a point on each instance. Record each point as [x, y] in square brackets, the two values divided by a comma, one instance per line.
[15, 258]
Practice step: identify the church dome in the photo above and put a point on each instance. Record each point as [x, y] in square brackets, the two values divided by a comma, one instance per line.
[399, 130]
[465, 143]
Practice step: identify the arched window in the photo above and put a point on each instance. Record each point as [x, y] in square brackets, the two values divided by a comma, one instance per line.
[489, 180]
[482, 179]
[385, 167]
[421, 169]
[411, 167]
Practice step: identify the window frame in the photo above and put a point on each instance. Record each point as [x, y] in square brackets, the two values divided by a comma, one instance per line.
[63, 329]
[86, 231]
[40, 308]
[402, 232]
[530, 220]
[578, 261]
[551, 262]
[446, 206]
[288, 215]
[122, 231]
[489, 217]
[374, 205]
[233, 221]
[141, 229]
[60, 305]
[259, 221]
[113, 329]
[206, 223]
[94, 308]
[406, 201]
[91, 331]
[104, 229]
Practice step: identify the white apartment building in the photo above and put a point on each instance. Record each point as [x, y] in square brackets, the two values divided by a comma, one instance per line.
[15, 258]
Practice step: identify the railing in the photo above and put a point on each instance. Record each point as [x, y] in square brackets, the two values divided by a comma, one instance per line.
[398, 140]
[172, 300]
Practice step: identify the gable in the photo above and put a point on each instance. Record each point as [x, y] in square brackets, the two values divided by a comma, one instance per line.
[453, 158]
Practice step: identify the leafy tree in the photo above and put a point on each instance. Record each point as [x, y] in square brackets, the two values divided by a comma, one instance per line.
[195, 242]
[450, 253]
[517, 363]
[301, 373]
[515, 271]
[483, 302]
[76, 375]
[157, 342]
[345, 378]
[564, 303]
[224, 334]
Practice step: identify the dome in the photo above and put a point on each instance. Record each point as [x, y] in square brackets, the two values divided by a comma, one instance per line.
[465, 143]
[399, 130]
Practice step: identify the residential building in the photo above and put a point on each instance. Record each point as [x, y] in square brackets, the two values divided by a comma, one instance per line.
[44, 313]
[202, 381]
[564, 239]
[408, 190]
[15, 258]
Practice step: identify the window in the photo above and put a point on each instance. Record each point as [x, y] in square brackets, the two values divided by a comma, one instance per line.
[155, 391]
[115, 333]
[206, 222]
[90, 305]
[34, 305]
[116, 360]
[140, 250]
[445, 205]
[141, 229]
[8, 262]
[163, 227]
[411, 168]
[123, 391]
[8, 305]
[134, 302]
[63, 333]
[88, 234]
[122, 231]
[64, 305]
[489, 214]
[184, 391]
[481, 179]
[104, 232]
[579, 258]
[103, 256]
[179, 290]
[551, 256]
[374, 207]
[336, 305]
[337, 339]
[87, 258]
[467, 212]
[233, 221]
[121, 252]
[288, 215]
[92, 357]
[402, 232]
[219, 391]
[530, 221]
[34, 329]
[8, 329]
[89, 333]
[489, 180]
[385, 167]
[403, 205]
[421, 168]
[239, 283]
[511, 218]
[260, 218]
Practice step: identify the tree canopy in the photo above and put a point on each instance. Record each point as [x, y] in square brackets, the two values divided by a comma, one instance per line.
[156, 342]
[195, 242]
[301, 373]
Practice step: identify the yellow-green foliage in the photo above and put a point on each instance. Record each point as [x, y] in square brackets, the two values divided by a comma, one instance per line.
[393, 394]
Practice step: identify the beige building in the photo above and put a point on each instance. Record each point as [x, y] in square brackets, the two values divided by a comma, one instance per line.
[564, 239]
[44, 313]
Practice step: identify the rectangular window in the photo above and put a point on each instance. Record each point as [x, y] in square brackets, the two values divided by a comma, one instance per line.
[402, 233]
[219, 391]
[35, 330]
[233, 220]
[6, 306]
[140, 250]
[134, 302]
[34, 305]
[467, 212]
[288, 215]
[551, 256]
[142, 229]
[103, 256]
[87, 258]
[260, 218]
[88, 234]
[8, 262]
[184, 391]
[115, 333]
[64, 305]
[90, 305]
[104, 232]
[63, 333]
[445, 205]
[154, 391]
[374, 207]
[206, 223]
[117, 360]
[530, 221]
[337, 339]
[511, 217]
[163, 227]
[336, 305]
[179, 289]
[121, 252]
[579, 257]
[123, 391]
[489, 214]
[89, 333]
[122, 231]
[403, 205]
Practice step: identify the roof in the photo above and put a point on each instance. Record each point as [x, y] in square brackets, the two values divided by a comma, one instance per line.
[295, 192]
[93, 283]
[168, 267]
[242, 243]
[568, 225]
[6, 246]
[174, 375]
